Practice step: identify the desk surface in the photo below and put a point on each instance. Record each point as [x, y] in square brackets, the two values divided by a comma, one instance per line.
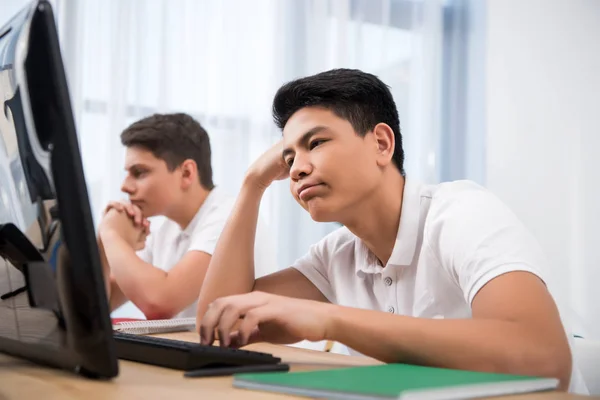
[20, 379]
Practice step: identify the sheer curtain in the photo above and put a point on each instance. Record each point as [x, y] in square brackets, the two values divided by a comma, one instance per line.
[222, 61]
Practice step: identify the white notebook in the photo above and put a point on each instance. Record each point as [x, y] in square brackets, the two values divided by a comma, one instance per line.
[146, 327]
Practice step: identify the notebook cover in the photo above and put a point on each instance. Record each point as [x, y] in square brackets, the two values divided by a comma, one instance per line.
[391, 381]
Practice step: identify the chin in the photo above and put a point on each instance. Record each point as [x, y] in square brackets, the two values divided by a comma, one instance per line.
[148, 212]
[322, 214]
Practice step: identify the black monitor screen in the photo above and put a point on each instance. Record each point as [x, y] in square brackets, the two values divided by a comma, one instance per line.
[53, 306]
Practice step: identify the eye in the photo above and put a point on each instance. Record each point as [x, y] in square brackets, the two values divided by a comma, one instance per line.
[136, 173]
[316, 143]
[290, 162]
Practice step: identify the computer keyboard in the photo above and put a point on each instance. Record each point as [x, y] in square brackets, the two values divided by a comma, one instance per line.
[178, 354]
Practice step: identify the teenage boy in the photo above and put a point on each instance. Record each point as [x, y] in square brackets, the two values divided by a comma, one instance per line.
[169, 173]
[441, 275]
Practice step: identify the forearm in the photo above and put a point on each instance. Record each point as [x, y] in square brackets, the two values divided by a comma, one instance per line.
[231, 268]
[470, 344]
[105, 268]
[140, 282]
[114, 295]
[117, 297]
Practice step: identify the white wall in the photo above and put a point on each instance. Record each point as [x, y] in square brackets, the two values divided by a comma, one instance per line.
[543, 135]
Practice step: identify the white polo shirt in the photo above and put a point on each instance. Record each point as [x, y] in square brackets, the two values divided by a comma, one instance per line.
[167, 245]
[453, 238]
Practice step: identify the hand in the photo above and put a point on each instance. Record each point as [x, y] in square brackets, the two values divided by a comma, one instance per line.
[269, 167]
[133, 211]
[264, 317]
[119, 223]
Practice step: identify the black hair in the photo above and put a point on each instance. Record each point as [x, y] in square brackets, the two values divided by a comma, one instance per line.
[358, 97]
[173, 138]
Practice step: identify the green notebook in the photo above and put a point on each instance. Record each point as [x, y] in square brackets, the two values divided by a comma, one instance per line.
[393, 381]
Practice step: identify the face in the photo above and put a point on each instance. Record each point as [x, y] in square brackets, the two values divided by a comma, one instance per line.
[149, 183]
[332, 169]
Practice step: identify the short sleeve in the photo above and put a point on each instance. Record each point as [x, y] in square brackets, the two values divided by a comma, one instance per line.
[477, 238]
[314, 267]
[207, 233]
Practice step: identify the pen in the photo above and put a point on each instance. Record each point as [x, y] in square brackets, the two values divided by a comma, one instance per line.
[224, 371]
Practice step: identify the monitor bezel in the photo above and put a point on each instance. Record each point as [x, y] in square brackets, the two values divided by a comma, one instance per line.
[80, 283]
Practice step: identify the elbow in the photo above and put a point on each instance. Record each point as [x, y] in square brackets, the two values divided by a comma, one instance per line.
[559, 364]
[157, 309]
[546, 361]
[152, 314]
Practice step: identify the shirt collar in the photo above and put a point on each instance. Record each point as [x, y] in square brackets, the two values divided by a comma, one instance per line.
[189, 230]
[404, 249]
[408, 231]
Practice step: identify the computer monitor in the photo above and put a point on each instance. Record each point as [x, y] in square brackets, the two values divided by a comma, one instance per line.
[53, 308]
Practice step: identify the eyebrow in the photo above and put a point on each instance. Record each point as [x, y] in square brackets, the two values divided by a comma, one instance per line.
[135, 166]
[304, 139]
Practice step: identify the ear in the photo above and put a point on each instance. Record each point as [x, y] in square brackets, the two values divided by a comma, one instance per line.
[189, 173]
[385, 142]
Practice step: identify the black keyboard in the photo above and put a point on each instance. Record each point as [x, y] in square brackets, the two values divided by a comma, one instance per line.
[185, 356]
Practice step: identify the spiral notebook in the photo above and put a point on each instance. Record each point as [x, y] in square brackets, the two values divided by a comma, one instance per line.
[147, 327]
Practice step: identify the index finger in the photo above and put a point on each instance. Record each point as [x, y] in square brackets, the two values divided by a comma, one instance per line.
[209, 322]
[137, 215]
[236, 305]
[113, 204]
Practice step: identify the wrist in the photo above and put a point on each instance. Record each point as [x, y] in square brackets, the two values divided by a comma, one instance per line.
[108, 235]
[253, 181]
[253, 185]
[332, 322]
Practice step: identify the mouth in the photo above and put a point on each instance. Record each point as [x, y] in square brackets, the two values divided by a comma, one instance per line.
[305, 192]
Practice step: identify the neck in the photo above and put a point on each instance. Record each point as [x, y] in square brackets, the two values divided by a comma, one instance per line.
[190, 203]
[376, 219]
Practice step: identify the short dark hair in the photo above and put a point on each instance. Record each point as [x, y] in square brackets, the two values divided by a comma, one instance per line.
[358, 97]
[173, 138]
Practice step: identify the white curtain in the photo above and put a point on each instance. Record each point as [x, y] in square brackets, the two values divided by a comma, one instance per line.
[222, 61]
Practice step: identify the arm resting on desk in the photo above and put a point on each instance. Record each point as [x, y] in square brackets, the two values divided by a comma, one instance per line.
[519, 334]
[158, 294]
[522, 334]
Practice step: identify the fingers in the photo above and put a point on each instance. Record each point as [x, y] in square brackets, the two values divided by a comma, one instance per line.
[223, 313]
[230, 315]
[136, 214]
[133, 211]
[249, 326]
[209, 322]
[114, 205]
[146, 226]
[236, 341]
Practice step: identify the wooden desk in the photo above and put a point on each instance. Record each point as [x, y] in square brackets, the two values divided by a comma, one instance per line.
[20, 379]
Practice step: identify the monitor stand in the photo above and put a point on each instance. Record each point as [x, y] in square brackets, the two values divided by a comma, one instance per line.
[39, 275]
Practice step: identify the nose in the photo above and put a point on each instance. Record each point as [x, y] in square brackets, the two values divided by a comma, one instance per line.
[128, 186]
[301, 166]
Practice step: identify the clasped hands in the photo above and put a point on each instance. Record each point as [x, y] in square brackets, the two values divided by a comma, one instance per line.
[126, 221]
